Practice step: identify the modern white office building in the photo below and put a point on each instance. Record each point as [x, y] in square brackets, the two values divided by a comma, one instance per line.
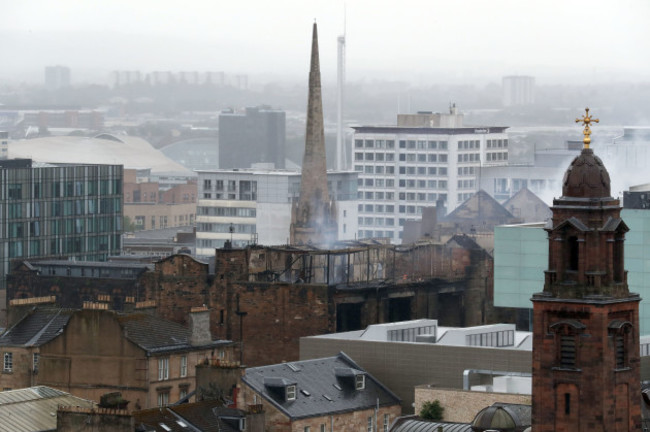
[248, 206]
[425, 158]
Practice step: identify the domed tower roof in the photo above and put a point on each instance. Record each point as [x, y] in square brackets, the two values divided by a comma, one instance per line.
[586, 177]
[501, 417]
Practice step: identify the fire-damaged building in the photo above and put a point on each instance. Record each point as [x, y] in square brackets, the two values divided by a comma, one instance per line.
[267, 297]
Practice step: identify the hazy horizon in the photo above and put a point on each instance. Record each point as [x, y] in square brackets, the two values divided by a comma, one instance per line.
[466, 41]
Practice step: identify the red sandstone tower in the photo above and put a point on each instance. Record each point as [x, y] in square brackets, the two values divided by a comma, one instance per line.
[586, 365]
[313, 215]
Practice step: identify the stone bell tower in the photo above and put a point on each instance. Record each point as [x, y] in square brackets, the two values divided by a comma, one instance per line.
[586, 364]
[313, 214]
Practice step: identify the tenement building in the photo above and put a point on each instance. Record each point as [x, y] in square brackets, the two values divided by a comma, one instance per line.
[586, 365]
[426, 158]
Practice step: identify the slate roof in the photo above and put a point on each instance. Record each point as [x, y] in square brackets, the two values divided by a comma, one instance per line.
[318, 390]
[206, 416]
[40, 326]
[30, 409]
[480, 206]
[527, 206]
[463, 241]
[154, 334]
[150, 333]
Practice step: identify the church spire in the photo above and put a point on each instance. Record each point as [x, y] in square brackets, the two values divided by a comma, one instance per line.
[313, 217]
[314, 186]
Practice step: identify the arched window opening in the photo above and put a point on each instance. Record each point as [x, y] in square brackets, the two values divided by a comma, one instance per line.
[566, 337]
[620, 333]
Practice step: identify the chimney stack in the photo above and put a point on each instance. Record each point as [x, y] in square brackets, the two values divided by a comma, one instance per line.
[200, 326]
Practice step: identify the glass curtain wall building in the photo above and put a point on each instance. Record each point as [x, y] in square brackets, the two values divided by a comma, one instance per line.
[58, 210]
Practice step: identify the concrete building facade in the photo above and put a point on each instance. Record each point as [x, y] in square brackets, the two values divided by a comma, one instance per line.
[404, 355]
[257, 204]
[425, 158]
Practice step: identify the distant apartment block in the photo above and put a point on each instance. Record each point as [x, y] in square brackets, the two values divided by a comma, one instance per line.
[80, 119]
[156, 78]
[254, 206]
[426, 158]
[58, 210]
[125, 77]
[256, 135]
[518, 90]
[57, 77]
[148, 206]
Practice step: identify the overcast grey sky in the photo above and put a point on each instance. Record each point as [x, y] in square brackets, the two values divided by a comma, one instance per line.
[457, 40]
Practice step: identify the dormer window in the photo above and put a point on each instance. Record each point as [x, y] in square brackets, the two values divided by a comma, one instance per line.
[290, 392]
[350, 378]
[359, 382]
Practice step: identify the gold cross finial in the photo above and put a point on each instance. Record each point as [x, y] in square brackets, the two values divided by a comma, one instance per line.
[586, 121]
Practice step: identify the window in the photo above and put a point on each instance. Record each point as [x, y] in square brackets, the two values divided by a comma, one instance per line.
[163, 370]
[291, 392]
[307, 429]
[8, 362]
[566, 335]
[359, 382]
[163, 398]
[386, 422]
[567, 403]
[370, 425]
[322, 427]
[182, 393]
[620, 333]
[183, 366]
[35, 360]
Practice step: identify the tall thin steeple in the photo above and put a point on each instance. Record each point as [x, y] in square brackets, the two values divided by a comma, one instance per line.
[313, 216]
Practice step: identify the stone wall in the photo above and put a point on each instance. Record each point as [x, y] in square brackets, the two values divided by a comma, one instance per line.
[77, 419]
[461, 406]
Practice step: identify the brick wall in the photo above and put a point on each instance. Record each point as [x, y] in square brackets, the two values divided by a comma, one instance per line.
[179, 283]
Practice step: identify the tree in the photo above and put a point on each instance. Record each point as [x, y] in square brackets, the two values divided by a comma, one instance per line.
[432, 410]
[128, 224]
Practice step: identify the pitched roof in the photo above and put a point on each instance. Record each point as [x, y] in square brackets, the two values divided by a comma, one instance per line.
[321, 388]
[30, 409]
[206, 416]
[463, 241]
[155, 334]
[480, 206]
[39, 326]
[527, 206]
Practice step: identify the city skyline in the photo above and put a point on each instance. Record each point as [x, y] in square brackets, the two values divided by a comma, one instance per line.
[418, 41]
